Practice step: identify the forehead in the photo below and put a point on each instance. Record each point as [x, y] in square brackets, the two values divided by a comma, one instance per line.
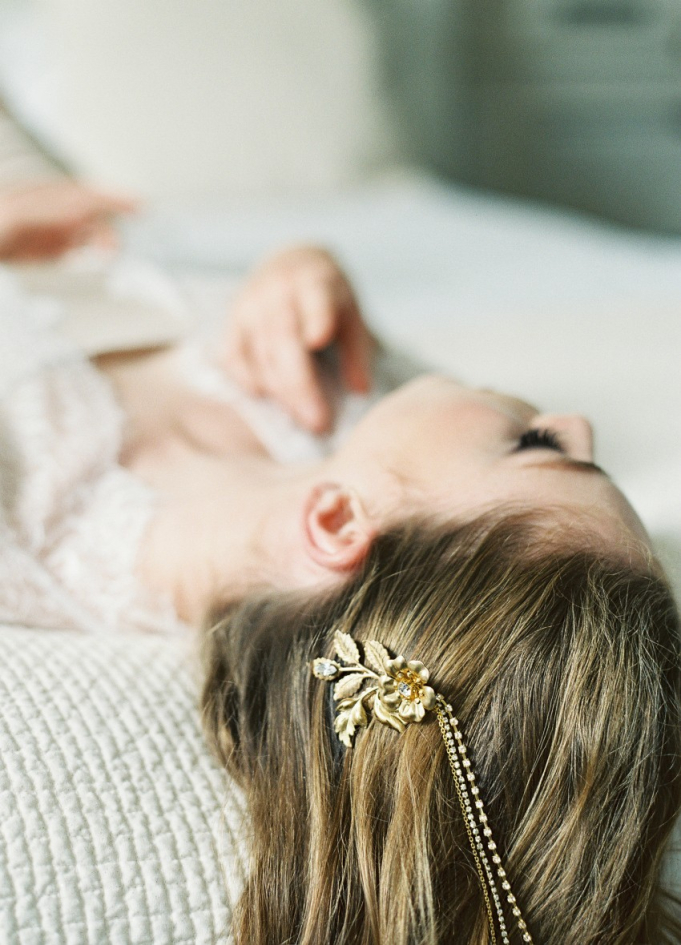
[575, 502]
[431, 399]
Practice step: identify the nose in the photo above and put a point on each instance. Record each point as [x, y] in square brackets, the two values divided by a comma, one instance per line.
[574, 431]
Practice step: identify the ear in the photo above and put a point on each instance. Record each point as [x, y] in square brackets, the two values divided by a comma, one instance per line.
[338, 533]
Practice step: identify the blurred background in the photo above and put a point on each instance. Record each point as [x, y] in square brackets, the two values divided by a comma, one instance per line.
[571, 101]
[502, 178]
[576, 102]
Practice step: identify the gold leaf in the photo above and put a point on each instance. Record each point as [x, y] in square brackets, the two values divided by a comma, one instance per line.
[341, 720]
[346, 648]
[345, 727]
[375, 656]
[346, 704]
[358, 714]
[348, 686]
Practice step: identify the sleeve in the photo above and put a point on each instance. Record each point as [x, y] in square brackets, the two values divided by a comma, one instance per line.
[21, 157]
[107, 306]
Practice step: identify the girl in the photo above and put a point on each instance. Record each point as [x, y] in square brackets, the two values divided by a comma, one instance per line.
[441, 657]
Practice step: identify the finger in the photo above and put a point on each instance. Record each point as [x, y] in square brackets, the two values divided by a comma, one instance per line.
[32, 245]
[72, 204]
[84, 209]
[93, 232]
[102, 235]
[291, 377]
[102, 202]
[355, 349]
[238, 361]
[319, 317]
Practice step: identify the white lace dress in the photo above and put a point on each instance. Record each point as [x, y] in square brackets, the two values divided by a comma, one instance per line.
[71, 518]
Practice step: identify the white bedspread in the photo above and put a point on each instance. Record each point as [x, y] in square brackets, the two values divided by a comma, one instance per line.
[117, 828]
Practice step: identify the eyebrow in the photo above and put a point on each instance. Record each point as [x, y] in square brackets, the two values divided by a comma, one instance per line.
[574, 465]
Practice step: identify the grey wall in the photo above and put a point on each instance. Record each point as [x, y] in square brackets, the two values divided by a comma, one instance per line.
[572, 101]
[426, 47]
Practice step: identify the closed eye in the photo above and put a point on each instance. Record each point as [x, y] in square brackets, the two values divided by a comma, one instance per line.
[539, 439]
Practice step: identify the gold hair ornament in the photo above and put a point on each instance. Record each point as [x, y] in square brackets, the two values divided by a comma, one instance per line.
[396, 691]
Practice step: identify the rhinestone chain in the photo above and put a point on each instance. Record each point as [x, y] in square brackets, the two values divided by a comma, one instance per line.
[444, 728]
[476, 822]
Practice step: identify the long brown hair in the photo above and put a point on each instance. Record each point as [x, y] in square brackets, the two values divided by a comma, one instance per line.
[564, 671]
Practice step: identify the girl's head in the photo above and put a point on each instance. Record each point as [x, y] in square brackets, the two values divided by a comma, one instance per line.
[563, 668]
[453, 451]
[432, 449]
[436, 449]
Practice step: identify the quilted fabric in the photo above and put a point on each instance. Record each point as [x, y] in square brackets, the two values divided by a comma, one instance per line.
[116, 825]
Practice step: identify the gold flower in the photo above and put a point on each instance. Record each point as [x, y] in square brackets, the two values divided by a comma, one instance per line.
[403, 690]
[397, 690]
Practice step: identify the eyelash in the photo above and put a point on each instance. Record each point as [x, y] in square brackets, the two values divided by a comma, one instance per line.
[539, 439]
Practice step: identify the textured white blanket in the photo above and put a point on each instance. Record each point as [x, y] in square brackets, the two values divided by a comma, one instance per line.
[116, 825]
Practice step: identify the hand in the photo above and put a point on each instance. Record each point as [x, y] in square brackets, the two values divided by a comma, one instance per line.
[43, 221]
[295, 304]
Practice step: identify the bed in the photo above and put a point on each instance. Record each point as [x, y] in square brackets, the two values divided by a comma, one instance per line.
[117, 826]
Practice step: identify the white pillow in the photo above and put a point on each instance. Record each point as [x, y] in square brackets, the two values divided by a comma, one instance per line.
[116, 824]
[195, 97]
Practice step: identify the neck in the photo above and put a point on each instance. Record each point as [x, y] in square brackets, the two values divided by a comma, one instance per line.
[223, 528]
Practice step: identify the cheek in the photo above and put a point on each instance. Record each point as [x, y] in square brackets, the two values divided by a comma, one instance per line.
[466, 435]
[436, 441]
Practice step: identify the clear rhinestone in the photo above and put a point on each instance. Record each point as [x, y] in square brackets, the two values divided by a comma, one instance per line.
[326, 668]
[404, 689]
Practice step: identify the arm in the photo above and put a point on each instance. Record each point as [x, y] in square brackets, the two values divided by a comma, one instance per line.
[44, 212]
